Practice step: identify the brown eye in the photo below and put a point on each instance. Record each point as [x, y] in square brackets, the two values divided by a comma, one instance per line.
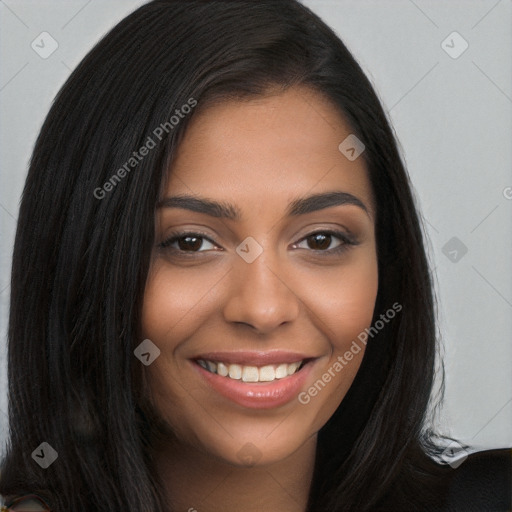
[188, 242]
[327, 242]
[319, 241]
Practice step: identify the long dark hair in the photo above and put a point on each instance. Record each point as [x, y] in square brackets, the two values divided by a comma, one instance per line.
[82, 254]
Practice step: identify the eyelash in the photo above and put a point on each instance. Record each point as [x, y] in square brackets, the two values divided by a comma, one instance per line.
[347, 240]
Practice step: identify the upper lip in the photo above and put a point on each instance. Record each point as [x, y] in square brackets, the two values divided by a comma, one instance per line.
[254, 358]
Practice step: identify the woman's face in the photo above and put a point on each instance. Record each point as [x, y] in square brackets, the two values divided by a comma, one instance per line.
[268, 259]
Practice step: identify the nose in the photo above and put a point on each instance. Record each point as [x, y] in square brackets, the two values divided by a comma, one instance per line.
[260, 295]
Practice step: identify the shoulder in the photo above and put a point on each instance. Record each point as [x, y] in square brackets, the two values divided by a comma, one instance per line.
[482, 482]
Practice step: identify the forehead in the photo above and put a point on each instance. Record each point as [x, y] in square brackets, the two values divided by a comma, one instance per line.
[267, 150]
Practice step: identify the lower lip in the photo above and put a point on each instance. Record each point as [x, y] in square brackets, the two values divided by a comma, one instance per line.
[263, 395]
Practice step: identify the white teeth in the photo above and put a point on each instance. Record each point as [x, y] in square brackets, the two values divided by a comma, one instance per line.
[292, 368]
[251, 373]
[222, 369]
[267, 374]
[235, 371]
[282, 371]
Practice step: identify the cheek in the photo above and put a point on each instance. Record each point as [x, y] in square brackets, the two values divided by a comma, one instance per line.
[175, 301]
[350, 307]
[342, 307]
[343, 299]
[174, 305]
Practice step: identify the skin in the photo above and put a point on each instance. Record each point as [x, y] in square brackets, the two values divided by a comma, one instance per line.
[259, 154]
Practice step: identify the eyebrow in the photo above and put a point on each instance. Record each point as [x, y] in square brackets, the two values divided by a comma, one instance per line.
[228, 211]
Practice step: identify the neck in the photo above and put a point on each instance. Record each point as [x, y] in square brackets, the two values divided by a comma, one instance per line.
[195, 481]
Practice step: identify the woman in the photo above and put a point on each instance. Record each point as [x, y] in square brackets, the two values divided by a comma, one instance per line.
[220, 291]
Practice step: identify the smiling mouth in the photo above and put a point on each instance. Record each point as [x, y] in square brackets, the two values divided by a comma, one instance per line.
[250, 373]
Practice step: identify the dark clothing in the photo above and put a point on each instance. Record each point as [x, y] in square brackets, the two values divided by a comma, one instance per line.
[483, 482]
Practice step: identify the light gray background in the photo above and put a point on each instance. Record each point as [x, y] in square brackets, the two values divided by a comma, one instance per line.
[452, 117]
